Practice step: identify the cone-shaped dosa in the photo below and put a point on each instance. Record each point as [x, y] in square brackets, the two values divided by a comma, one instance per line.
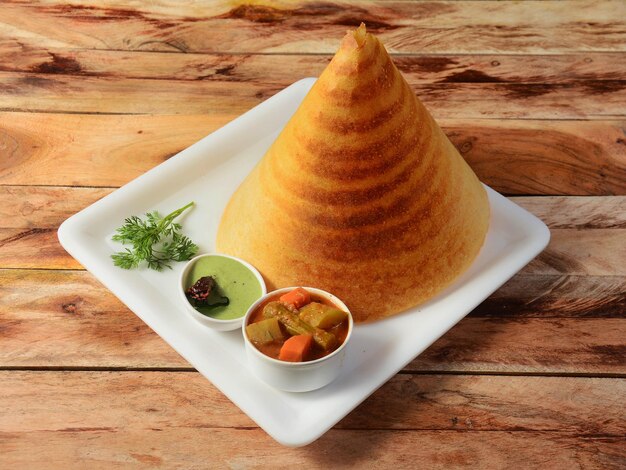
[361, 194]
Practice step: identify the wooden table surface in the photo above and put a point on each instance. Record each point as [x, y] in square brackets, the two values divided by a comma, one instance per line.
[94, 93]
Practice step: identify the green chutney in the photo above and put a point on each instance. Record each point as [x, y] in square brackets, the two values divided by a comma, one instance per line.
[234, 280]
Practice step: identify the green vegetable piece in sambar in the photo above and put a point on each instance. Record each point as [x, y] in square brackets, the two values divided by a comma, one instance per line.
[265, 331]
[295, 326]
[322, 316]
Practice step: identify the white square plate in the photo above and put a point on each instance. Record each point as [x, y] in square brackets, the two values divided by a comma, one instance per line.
[208, 172]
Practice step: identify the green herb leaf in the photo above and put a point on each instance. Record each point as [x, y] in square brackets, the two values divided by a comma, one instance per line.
[157, 240]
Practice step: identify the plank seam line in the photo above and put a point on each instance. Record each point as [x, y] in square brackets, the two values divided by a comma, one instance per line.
[338, 427]
[582, 375]
[507, 195]
[207, 78]
[60, 186]
[78, 269]
[28, 232]
[13, 268]
[590, 118]
[569, 52]
[215, 78]
[581, 435]
[89, 113]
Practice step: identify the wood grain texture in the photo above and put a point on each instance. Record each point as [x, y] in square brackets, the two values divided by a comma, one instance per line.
[595, 252]
[32, 214]
[23, 207]
[533, 95]
[34, 248]
[514, 157]
[557, 296]
[44, 207]
[544, 157]
[94, 327]
[529, 346]
[577, 212]
[91, 150]
[253, 449]
[283, 69]
[59, 401]
[316, 27]
[87, 94]
[67, 319]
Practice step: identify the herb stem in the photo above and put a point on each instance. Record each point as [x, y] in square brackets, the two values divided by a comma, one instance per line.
[167, 220]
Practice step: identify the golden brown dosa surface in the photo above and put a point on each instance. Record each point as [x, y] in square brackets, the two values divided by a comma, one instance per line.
[361, 194]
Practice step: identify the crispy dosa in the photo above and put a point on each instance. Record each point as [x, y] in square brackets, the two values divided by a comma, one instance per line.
[361, 194]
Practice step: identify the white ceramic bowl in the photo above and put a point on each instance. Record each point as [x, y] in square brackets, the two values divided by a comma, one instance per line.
[296, 376]
[215, 323]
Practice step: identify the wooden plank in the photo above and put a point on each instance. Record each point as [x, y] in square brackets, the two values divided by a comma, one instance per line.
[91, 150]
[92, 324]
[22, 56]
[37, 248]
[514, 157]
[67, 319]
[25, 207]
[32, 243]
[68, 93]
[43, 207]
[55, 401]
[530, 345]
[544, 157]
[524, 296]
[313, 27]
[577, 212]
[34, 213]
[558, 296]
[595, 252]
[341, 449]
[477, 403]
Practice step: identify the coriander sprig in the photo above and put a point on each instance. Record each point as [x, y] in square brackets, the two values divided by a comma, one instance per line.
[157, 240]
